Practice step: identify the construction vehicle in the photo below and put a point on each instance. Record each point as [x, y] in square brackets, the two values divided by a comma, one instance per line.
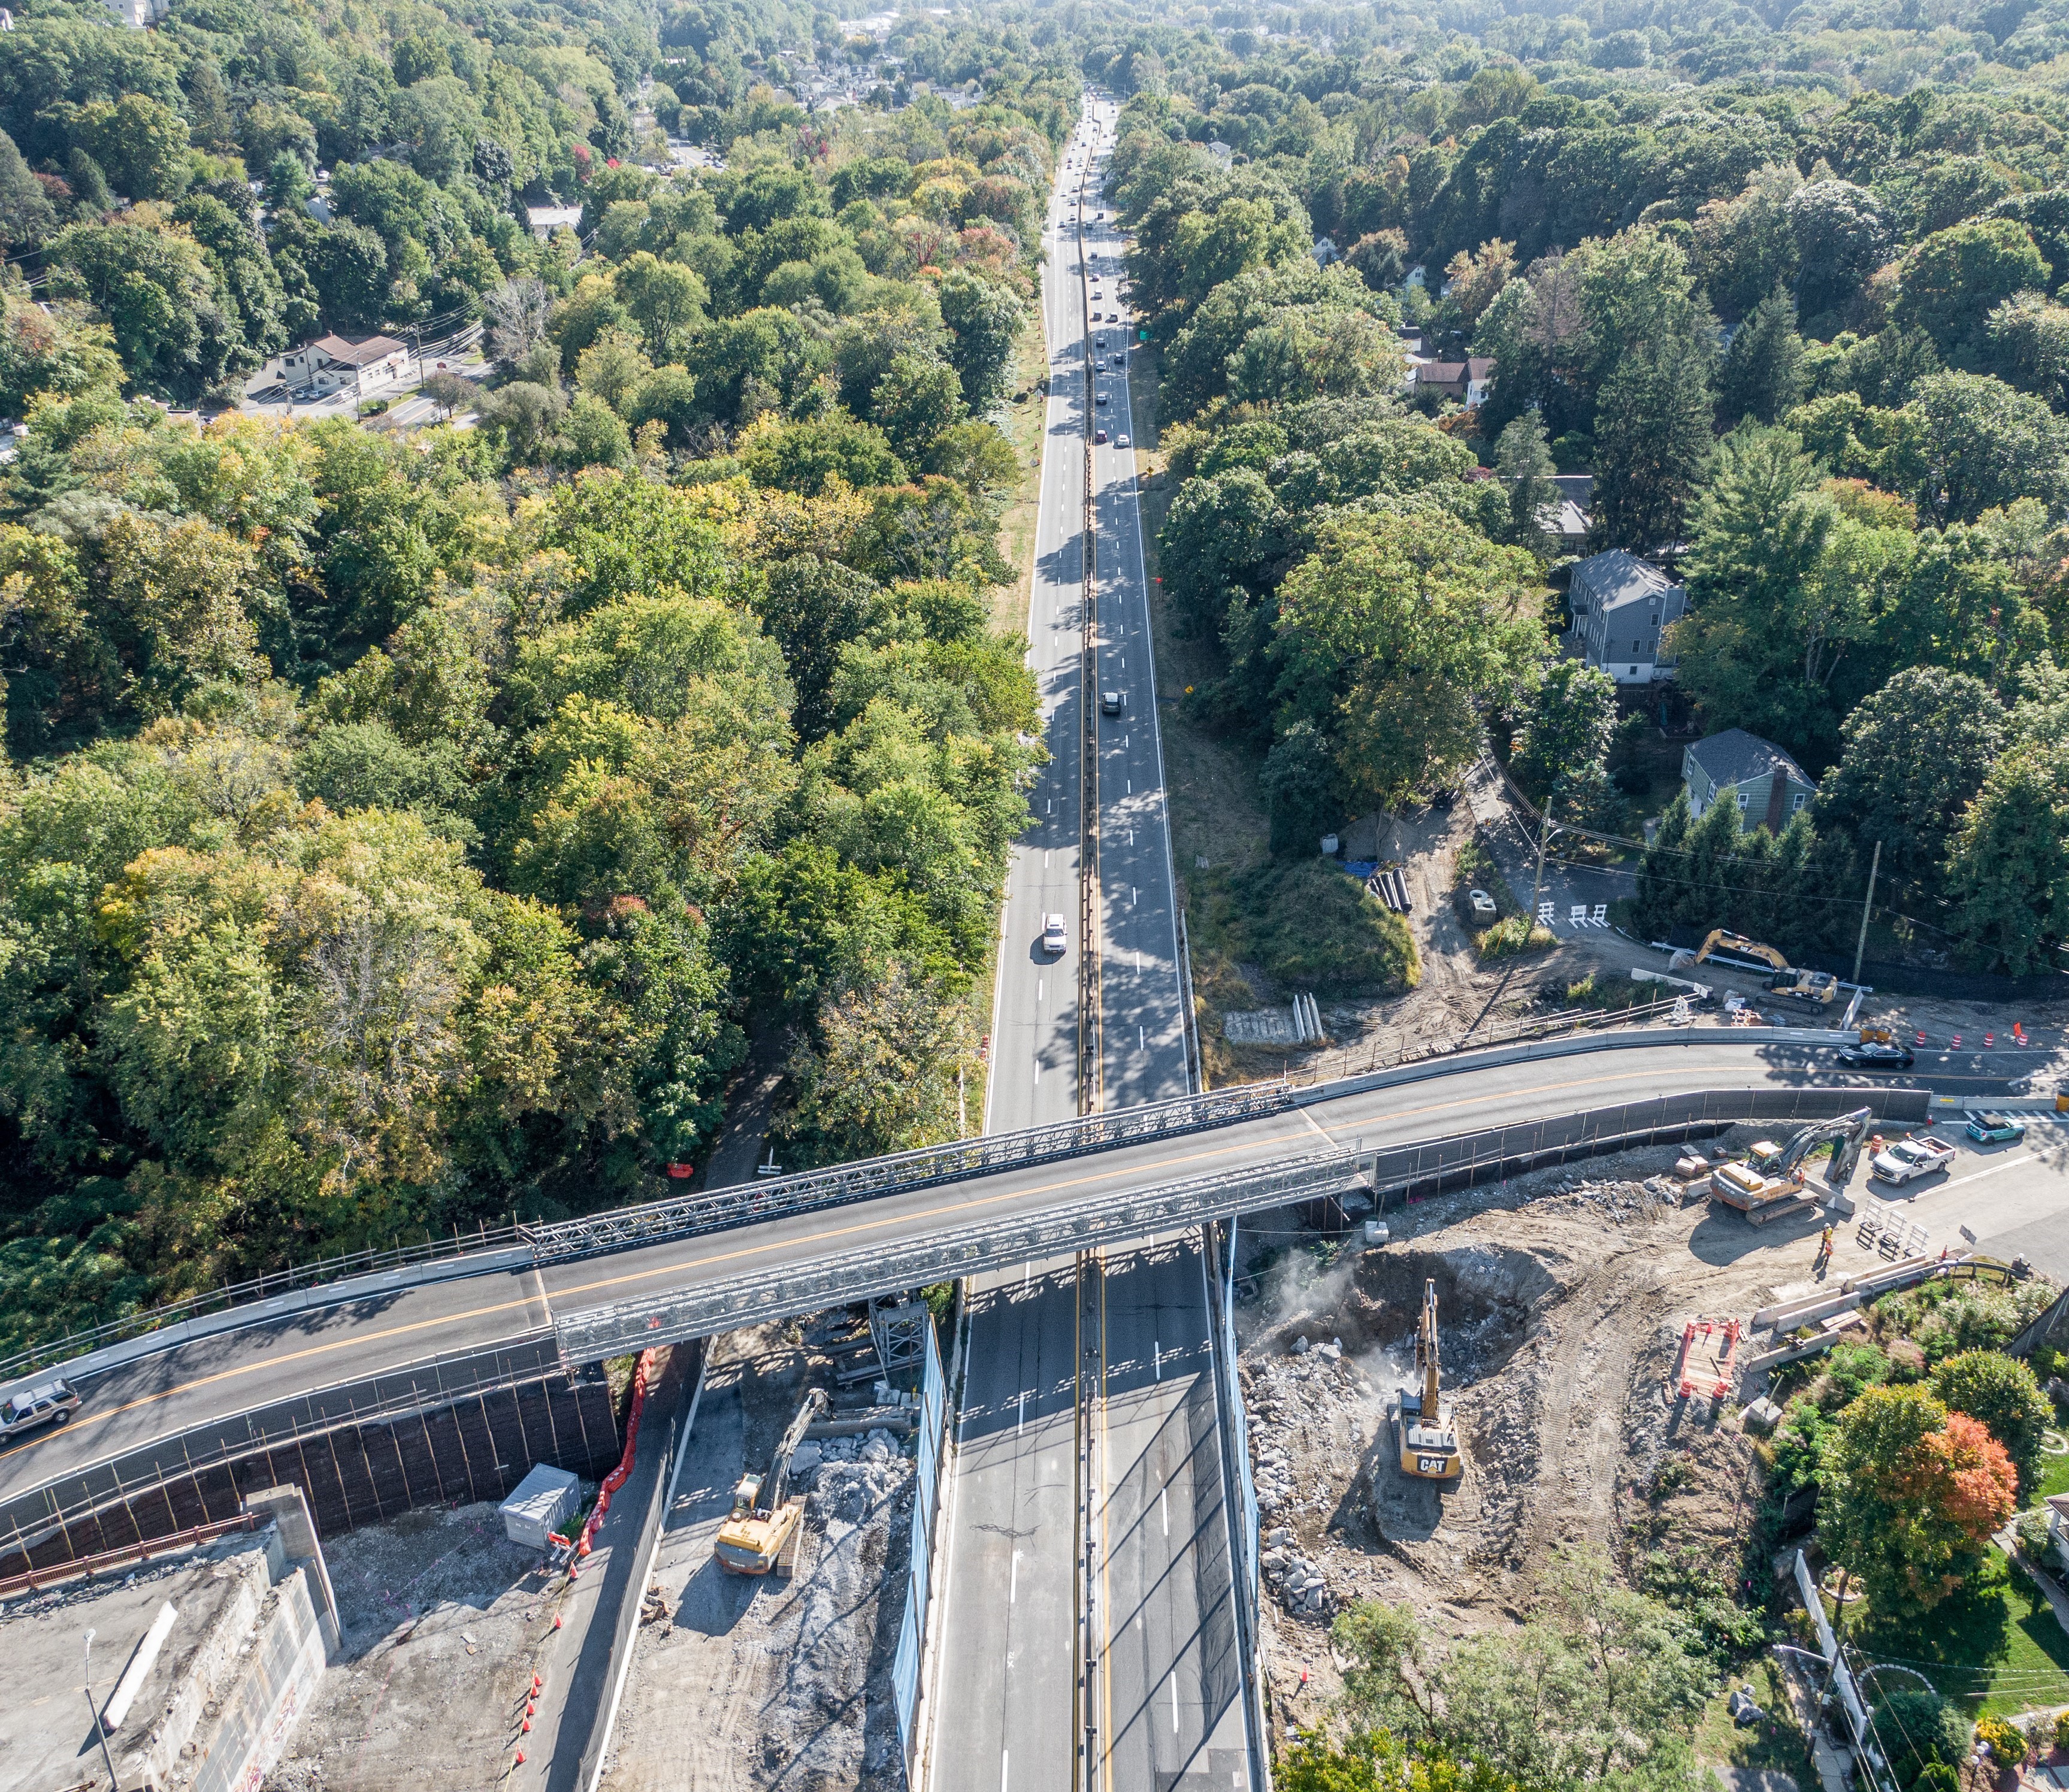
[1769, 1179]
[1425, 1425]
[766, 1519]
[1820, 988]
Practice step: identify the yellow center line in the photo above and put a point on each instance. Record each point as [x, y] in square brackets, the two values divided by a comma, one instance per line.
[359, 1341]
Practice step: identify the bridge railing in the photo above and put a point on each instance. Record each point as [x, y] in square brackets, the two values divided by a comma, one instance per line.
[755, 1202]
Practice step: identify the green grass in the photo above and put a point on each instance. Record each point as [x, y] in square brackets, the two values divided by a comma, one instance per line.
[1307, 926]
[1777, 1744]
[2054, 1470]
[1995, 1645]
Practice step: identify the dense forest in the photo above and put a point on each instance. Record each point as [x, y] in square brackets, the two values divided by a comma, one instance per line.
[1789, 293]
[399, 832]
[402, 830]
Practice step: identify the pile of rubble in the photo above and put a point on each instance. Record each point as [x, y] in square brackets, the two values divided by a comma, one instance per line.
[1641, 1202]
[1295, 1581]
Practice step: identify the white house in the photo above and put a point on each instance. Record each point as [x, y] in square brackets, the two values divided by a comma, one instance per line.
[1620, 605]
[337, 364]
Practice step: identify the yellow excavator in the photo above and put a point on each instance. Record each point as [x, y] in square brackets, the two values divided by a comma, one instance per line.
[1425, 1424]
[765, 1518]
[1770, 1179]
[1819, 988]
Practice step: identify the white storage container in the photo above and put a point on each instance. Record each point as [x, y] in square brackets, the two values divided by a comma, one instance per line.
[542, 1503]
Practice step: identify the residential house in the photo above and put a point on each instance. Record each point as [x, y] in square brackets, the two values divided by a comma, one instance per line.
[546, 220]
[1466, 381]
[2058, 1530]
[1620, 605]
[1767, 785]
[1567, 518]
[338, 364]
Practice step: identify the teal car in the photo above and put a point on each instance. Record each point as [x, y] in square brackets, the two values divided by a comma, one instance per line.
[1996, 1128]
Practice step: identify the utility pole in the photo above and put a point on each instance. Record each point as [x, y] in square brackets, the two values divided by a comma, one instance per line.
[1868, 908]
[93, 1710]
[1538, 881]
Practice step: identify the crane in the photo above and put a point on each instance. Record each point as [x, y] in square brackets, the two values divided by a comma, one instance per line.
[752, 1539]
[1425, 1424]
[1771, 1173]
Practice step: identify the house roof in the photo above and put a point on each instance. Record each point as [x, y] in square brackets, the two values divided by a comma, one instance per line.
[1564, 518]
[1441, 373]
[1616, 578]
[1736, 757]
[1579, 487]
[1478, 367]
[362, 354]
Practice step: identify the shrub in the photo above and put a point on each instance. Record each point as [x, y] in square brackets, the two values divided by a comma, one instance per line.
[2004, 1740]
[1310, 927]
[1512, 936]
[1926, 1734]
[2061, 1731]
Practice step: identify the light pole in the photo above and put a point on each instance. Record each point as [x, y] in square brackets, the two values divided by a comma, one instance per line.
[93, 1711]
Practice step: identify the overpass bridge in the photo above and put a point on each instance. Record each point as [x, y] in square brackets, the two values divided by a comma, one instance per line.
[577, 1292]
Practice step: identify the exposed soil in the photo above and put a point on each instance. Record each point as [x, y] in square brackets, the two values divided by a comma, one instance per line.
[1561, 1325]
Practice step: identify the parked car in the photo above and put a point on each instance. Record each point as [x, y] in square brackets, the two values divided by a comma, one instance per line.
[1909, 1159]
[1875, 1055]
[1053, 938]
[49, 1403]
[1484, 905]
[1995, 1128]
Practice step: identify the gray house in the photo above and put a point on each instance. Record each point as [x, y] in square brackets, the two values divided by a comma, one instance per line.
[1735, 766]
[1620, 605]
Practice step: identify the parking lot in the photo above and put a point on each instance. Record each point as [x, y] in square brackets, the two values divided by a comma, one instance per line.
[2004, 1200]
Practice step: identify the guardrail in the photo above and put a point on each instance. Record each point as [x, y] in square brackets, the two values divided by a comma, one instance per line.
[293, 1279]
[759, 1295]
[754, 1202]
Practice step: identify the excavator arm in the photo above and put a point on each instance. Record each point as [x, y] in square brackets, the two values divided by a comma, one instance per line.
[1847, 1132]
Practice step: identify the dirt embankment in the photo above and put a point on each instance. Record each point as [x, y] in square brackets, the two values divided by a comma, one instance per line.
[1561, 1325]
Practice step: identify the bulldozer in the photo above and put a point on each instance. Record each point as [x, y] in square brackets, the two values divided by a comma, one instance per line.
[1425, 1425]
[1768, 1180]
[1819, 988]
[765, 1518]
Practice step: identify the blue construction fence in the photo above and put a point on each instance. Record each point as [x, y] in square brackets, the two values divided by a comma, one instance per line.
[926, 1488]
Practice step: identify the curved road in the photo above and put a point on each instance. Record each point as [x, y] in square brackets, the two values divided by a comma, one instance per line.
[166, 1394]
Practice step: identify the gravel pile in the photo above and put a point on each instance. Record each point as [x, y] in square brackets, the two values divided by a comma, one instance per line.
[1625, 1203]
[1296, 1582]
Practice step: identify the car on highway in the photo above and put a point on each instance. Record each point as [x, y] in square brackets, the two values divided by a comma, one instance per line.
[1995, 1128]
[1111, 703]
[1909, 1159]
[1098, 342]
[1120, 442]
[1099, 435]
[1099, 366]
[1875, 1055]
[1099, 398]
[49, 1403]
[1053, 939]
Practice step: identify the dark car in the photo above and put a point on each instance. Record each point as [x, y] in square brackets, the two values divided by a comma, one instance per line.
[1111, 703]
[1873, 1054]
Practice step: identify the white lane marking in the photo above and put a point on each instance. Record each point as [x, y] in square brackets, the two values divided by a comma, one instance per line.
[1157, 1358]
[2010, 1163]
[1164, 1504]
[1141, 1035]
[1174, 1701]
[1037, 1067]
[1013, 1589]
[1004, 1756]
[1020, 1424]
[1131, 786]
[1041, 984]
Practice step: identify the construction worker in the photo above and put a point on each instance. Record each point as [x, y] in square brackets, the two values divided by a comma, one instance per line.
[1824, 1253]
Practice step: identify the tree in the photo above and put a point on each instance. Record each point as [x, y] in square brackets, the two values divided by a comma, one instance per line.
[1372, 1761]
[450, 393]
[612, 369]
[1841, 238]
[1952, 281]
[25, 216]
[1981, 444]
[141, 144]
[801, 457]
[1910, 1496]
[882, 1073]
[1523, 462]
[1652, 438]
[2008, 863]
[2029, 338]
[983, 320]
[58, 351]
[1598, 1686]
[1569, 725]
[2004, 1394]
[153, 285]
[516, 312]
[1300, 785]
[1762, 375]
[1391, 634]
[914, 402]
[1916, 753]
[664, 298]
[1476, 280]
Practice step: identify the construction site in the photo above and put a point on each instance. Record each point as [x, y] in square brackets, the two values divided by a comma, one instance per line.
[1584, 1314]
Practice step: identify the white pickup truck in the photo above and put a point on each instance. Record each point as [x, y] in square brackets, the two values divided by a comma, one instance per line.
[1908, 1159]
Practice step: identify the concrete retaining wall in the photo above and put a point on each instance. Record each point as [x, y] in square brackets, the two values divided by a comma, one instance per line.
[272, 1690]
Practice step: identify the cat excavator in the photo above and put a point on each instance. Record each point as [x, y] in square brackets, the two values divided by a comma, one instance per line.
[1819, 988]
[755, 1538]
[1425, 1425]
[1769, 1179]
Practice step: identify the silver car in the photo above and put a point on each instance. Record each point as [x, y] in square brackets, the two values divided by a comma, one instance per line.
[51, 1403]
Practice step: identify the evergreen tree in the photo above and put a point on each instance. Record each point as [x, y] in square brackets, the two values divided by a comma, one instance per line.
[1523, 462]
[25, 209]
[1762, 375]
[1652, 438]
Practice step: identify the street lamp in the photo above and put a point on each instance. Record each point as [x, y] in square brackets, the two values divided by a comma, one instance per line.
[93, 1711]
